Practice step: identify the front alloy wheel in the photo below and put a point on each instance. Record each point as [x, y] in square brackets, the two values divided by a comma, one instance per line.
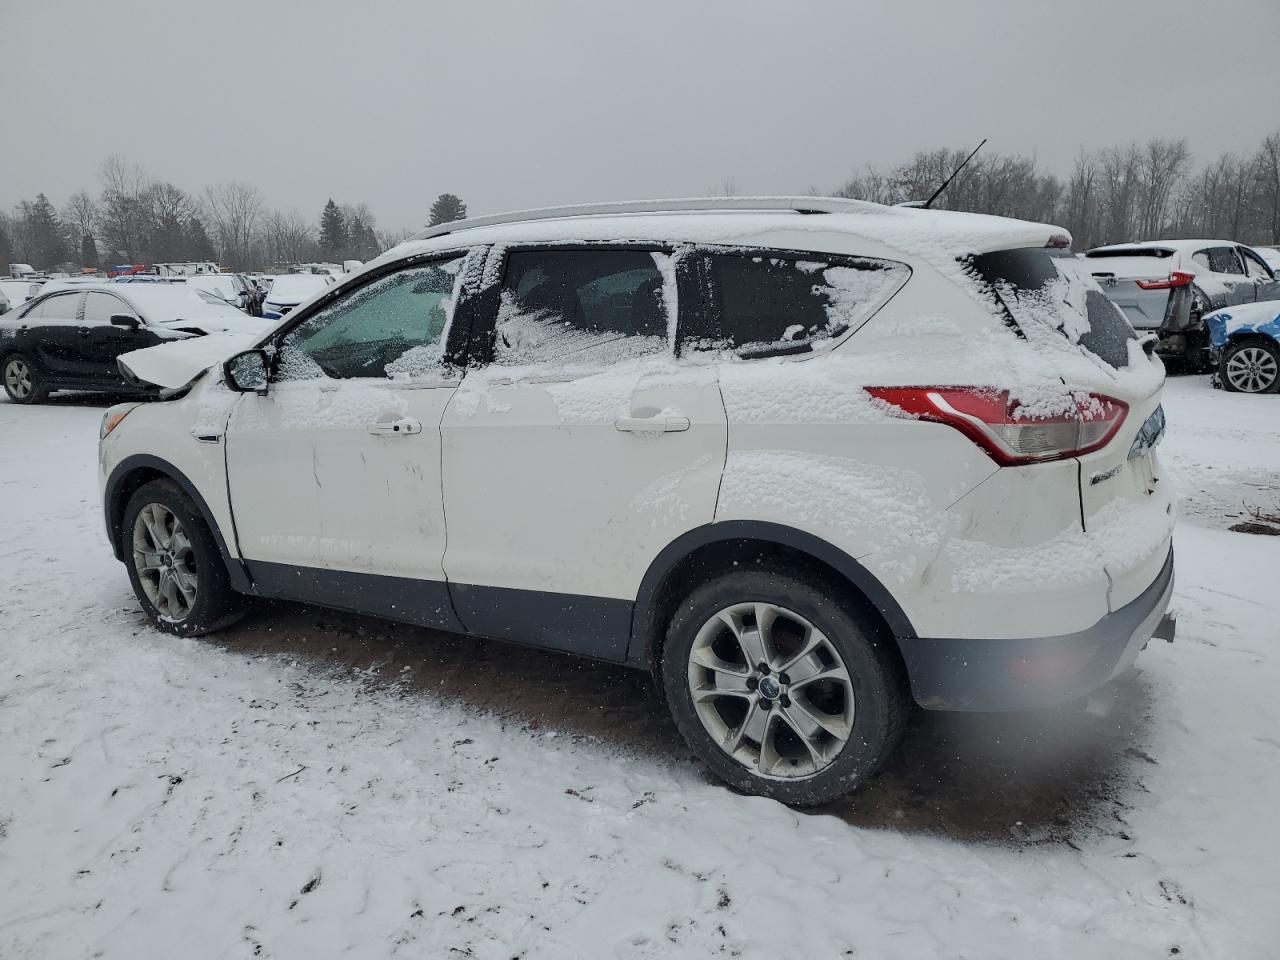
[165, 562]
[1251, 368]
[771, 690]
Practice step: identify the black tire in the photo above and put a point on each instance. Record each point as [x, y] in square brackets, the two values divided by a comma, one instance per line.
[216, 605]
[881, 700]
[1262, 348]
[16, 369]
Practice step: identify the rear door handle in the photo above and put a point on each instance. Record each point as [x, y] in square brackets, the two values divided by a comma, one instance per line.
[657, 424]
[396, 428]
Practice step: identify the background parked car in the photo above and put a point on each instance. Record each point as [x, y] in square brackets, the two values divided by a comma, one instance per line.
[70, 337]
[290, 290]
[1272, 256]
[16, 292]
[1244, 343]
[231, 287]
[1166, 287]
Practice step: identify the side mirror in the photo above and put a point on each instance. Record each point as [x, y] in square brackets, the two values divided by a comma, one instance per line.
[126, 321]
[247, 372]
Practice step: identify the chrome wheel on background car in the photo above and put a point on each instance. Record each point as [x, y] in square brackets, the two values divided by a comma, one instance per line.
[1251, 368]
[771, 690]
[165, 562]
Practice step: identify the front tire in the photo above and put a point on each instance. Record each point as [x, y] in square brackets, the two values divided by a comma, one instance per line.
[782, 690]
[1250, 366]
[174, 564]
[22, 382]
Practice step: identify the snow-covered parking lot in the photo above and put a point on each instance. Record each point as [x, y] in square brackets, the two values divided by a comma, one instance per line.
[310, 784]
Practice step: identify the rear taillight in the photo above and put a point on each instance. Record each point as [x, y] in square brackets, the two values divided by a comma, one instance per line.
[1008, 432]
[1176, 279]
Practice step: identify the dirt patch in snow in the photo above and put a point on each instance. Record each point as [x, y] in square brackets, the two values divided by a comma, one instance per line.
[1057, 776]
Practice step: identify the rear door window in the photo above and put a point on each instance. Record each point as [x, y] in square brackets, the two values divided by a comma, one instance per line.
[769, 304]
[60, 306]
[1053, 288]
[584, 306]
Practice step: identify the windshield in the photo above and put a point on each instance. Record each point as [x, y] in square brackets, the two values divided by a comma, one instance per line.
[1056, 289]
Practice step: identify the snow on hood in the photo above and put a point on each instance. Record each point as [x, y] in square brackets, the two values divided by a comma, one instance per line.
[174, 365]
[231, 322]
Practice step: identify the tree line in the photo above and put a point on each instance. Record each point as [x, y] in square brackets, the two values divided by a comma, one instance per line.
[138, 218]
[1115, 194]
[1146, 191]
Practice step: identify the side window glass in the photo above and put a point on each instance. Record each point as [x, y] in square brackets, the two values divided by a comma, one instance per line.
[61, 306]
[1202, 258]
[769, 304]
[1224, 260]
[1253, 266]
[99, 308]
[584, 306]
[393, 327]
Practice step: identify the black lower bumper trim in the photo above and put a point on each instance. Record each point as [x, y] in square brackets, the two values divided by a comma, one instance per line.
[1027, 674]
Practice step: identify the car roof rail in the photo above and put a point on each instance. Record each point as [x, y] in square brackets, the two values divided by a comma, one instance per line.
[680, 205]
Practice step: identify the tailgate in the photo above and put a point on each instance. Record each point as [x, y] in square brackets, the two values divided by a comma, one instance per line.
[1146, 309]
[1127, 502]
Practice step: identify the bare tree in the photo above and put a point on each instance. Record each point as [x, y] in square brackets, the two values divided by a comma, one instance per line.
[234, 210]
[80, 215]
[123, 215]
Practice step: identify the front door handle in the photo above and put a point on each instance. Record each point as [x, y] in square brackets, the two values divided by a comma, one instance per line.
[396, 428]
[661, 423]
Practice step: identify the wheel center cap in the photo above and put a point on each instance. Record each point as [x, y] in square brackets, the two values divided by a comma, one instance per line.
[770, 689]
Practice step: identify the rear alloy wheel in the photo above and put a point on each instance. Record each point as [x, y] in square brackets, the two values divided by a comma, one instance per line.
[174, 563]
[780, 688]
[21, 382]
[1251, 367]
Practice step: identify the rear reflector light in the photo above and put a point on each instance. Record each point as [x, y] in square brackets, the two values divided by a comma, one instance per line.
[1004, 429]
[1176, 279]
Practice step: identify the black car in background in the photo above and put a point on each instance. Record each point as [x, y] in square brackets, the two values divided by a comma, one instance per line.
[69, 339]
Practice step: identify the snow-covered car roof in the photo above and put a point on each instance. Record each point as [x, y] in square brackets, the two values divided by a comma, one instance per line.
[298, 286]
[1178, 246]
[167, 302]
[807, 223]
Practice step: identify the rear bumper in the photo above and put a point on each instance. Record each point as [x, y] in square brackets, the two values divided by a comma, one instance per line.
[1028, 674]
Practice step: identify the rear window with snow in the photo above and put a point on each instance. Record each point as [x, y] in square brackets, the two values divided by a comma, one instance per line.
[393, 326]
[587, 306]
[1053, 288]
[768, 305]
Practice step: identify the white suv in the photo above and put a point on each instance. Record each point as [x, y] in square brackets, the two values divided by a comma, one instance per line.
[804, 460]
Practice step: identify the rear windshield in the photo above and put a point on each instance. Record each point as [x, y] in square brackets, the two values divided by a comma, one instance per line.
[1038, 285]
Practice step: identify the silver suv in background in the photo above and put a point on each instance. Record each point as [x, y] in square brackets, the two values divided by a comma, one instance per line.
[1166, 287]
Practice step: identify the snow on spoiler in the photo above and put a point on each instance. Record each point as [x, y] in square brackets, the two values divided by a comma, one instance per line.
[172, 366]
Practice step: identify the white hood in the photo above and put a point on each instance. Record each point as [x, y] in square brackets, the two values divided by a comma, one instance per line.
[174, 365]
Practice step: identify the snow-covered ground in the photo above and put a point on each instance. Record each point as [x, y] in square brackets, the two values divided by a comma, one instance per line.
[311, 784]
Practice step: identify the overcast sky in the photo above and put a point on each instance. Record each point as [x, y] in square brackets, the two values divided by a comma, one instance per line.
[519, 104]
